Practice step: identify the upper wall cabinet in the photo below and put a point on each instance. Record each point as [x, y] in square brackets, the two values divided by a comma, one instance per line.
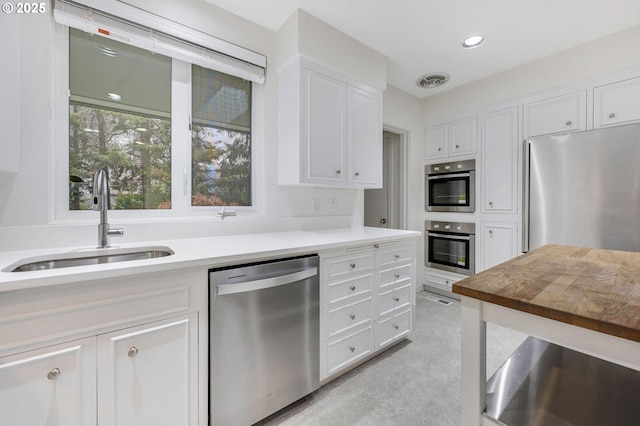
[562, 114]
[329, 128]
[617, 103]
[499, 138]
[450, 139]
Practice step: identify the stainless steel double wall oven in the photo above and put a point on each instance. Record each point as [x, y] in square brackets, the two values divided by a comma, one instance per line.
[450, 187]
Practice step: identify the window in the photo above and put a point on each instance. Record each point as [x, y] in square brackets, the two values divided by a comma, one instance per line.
[125, 112]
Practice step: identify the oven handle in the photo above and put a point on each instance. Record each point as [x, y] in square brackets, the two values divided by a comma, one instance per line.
[448, 237]
[449, 176]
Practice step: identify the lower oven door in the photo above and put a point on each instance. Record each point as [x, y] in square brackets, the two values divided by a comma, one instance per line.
[450, 252]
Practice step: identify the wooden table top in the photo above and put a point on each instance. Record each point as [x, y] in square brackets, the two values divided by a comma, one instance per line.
[590, 288]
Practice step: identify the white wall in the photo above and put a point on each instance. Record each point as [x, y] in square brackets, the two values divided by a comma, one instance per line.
[615, 52]
[26, 219]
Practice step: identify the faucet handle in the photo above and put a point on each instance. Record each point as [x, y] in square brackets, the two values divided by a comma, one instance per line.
[115, 232]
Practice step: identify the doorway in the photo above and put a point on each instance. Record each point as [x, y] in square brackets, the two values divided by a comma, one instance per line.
[386, 207]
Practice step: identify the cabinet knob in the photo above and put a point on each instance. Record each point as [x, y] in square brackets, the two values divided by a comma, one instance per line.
[338, 172]
[132, 352]
[439, 149]
[352, 288]
[352, 266]
[612, 115]
[397, 256]
[396, 326]
[457, 146]
[352, 316]
[356, 174]
[376, 246]
[490, 231]
[397, 299]
[352, 348]
[397, 276]
[53, 374]
[490, 203]
[446, 282]
[568, 123]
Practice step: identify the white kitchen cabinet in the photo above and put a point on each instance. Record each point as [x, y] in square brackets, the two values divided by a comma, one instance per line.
[367, 299]
[616, 103]
[147, 373]
[54, 385]
[10, 108]
[499, 139]
[440, 281]
[87, 332]
[561, 114]
[329, 128]
[498, 243]
[451, 139]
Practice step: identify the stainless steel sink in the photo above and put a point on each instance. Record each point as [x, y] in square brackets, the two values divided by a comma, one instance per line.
[94, 257]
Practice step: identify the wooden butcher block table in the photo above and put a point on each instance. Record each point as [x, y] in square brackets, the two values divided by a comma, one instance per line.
[581, 307]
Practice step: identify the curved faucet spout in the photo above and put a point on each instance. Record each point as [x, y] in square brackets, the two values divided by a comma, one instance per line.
[101, 203]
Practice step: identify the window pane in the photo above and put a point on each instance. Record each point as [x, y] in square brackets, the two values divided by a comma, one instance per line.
[220, 139]
[119, 119]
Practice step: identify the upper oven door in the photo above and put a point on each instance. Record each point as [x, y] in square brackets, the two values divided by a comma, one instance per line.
[450, 192]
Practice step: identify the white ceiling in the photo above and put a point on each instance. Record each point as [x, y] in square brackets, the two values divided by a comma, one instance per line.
[424, 36]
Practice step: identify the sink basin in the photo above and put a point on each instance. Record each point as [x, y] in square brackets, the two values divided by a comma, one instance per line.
[94, 257]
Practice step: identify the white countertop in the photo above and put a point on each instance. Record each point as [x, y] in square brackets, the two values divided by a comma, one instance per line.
[194, 252]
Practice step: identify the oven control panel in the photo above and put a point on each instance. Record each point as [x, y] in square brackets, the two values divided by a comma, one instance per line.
[452, 227]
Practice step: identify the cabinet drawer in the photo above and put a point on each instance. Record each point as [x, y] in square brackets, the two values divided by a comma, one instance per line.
[393, 328]
[349, 288]
[344, 265]
[393, 276]
[398, 254]
[394, 299]
[349, 349]
[443, 282]
[350, 316]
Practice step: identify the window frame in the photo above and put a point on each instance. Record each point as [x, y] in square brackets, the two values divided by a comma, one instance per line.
[181, 208]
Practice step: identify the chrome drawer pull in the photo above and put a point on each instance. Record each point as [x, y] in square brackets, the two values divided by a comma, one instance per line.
[397, 299]
[132, 352]
[612, 115]
[397, 276]
[352, 316]
[396, 327]
[352, 348]
[352, 288]
[353, 266]
[53, 374]
[568, 123]
[397, 256]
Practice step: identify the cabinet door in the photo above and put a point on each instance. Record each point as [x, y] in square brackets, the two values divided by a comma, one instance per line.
[464, 136]
[435, 142]
[617, 103]
[562, 114]
[51, 386]
[499, 242]
[148, 375]
[499, 160]
[323, 129]
[364, 138]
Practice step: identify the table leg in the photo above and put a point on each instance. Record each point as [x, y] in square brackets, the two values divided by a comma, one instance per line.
[474, 366]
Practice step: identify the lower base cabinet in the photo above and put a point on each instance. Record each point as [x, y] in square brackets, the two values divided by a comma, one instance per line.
[367, 301]
[118, 352]
[55, 385]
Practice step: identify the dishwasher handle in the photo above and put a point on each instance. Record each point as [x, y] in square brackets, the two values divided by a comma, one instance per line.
[254, 285]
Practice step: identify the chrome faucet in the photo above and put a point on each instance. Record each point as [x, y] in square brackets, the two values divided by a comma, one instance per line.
[101, 203]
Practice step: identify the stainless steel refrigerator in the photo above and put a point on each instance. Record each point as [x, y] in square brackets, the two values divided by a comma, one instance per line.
[583, 189]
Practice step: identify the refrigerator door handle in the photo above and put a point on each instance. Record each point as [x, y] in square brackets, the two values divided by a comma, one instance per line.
[525, 197]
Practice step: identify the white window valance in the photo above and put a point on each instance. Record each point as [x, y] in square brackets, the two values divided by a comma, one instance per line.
[142, 29]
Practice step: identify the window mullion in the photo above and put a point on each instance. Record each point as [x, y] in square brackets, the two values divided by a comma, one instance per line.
[180, 137]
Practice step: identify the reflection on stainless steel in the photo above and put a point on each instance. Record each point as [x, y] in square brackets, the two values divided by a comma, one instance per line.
[583, 189]
[264, 338]
[68, 260]
[546, 384]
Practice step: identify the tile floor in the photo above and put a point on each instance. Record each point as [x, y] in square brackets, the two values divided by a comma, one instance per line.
[417, 382]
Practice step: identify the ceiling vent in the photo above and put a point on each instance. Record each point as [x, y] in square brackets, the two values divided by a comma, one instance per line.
[431, 81]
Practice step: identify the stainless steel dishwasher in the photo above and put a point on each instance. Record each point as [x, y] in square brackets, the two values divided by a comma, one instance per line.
[264, 335]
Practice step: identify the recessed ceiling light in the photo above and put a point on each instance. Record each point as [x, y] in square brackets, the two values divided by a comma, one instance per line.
[114, 96]
[431, 81]
[473, 41]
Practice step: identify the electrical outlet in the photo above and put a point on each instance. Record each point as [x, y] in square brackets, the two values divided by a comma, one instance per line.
[334, 205]
[315, 205]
